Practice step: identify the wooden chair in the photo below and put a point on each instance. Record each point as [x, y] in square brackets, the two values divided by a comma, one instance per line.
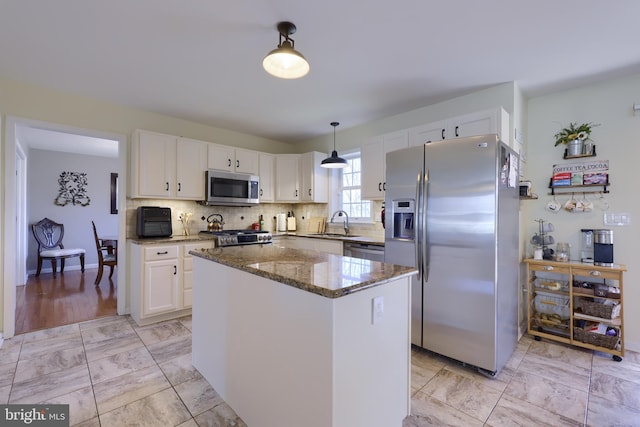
[49, 236]
[107, 254]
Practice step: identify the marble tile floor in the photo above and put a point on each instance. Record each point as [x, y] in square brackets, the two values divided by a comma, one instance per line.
[113, 373]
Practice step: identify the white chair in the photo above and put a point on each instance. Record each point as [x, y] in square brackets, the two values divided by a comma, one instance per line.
[49, 236]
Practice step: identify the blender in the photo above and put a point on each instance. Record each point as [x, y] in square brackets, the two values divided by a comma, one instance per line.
[586, 254]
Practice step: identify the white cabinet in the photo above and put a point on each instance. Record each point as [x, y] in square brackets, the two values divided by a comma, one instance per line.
[155, 281]
[265, 167]
[165, 166]
[229, 159]
[161, 277]
[187, 270]
[495, 120]
[287, 177]
[314, 178]
[373, 157]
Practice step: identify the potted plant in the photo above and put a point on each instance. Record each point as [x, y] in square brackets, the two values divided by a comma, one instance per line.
[574, 136]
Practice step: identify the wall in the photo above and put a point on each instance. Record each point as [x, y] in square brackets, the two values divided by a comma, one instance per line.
[44, 168]
[616, 139]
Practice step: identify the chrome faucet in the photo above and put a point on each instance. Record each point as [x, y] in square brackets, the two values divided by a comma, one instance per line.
[346, 220]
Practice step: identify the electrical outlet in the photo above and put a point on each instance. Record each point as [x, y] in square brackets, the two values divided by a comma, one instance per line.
[377, 310]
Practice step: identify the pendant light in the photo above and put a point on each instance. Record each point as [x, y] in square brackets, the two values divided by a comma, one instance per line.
[285, 62]
[334, 161]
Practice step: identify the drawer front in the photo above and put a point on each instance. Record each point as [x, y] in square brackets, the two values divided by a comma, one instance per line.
[156, 253]
[193, 246]
[549, 268]
[596, 274]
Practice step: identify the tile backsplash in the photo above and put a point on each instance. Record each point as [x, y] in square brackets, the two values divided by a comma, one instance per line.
[243, 217]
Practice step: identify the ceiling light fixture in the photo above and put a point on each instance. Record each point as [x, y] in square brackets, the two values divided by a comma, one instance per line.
[334, 161]
[285, 62]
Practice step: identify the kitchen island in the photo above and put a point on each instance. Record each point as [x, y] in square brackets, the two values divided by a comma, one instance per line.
[292, 337]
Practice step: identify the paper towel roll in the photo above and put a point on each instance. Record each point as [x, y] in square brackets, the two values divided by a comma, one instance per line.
[281, 222]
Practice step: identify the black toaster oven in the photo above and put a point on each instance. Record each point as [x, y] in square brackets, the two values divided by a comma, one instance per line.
[153, 221]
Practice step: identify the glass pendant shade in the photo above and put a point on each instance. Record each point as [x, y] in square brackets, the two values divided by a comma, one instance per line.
[286, 63]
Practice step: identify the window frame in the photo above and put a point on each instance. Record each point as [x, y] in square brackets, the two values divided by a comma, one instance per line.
[335, 201]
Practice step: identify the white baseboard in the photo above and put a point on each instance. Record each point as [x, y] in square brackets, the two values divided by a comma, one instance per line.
[66, 268]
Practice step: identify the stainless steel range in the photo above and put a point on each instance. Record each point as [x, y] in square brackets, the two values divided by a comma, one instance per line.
[240, 237]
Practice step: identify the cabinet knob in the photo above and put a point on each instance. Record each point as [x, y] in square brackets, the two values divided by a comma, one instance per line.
[548, 268]
[595, 273]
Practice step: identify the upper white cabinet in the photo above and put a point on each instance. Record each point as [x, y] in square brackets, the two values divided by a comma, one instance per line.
[229, 159]
[495, 120]
[373, 156]
[287, 177]
[265, 166]
[314, 179]
[165, 166]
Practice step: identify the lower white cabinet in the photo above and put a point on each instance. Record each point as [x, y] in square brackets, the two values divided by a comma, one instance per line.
[160, 279]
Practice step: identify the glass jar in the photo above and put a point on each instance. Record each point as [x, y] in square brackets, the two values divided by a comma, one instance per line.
[563, 252]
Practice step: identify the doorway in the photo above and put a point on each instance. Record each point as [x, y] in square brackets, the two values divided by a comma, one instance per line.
[16, 215]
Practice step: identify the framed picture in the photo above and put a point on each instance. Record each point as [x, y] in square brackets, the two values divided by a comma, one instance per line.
[114, 193]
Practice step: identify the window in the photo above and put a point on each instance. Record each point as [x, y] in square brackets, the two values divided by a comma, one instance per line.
[349, 190]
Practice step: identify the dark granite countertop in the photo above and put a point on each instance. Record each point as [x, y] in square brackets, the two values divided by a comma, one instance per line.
[325, 274]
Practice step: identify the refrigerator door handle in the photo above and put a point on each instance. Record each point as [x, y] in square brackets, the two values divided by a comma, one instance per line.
[418, 224]
[424, 242]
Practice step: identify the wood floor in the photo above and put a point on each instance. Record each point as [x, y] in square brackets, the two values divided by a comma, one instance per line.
[47, 302]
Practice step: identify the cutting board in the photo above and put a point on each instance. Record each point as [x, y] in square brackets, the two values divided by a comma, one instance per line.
[316, 224]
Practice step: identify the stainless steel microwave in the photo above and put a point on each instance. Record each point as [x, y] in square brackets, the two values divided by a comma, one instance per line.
[231, 189]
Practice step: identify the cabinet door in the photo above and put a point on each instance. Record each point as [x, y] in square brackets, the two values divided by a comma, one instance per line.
[314, 178]
[478, 123]
[191, 165]
[265, 162]
[247, 161]
[287, 176]
[161, 287]
[371, 156]
[435, 131]
[221, 158]
[154, 164]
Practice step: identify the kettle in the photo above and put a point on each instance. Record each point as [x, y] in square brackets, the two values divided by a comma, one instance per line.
[213, 223]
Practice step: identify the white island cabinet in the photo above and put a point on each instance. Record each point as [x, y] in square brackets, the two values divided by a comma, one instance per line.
[292, 337]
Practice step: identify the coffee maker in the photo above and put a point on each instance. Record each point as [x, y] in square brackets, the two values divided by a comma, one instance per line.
[586, 254]
[603, 247]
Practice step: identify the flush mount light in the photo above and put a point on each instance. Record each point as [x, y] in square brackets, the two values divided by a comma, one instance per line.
[334, 161]
[285, 62]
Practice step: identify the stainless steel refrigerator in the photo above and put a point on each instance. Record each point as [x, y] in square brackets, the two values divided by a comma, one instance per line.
[452, 212]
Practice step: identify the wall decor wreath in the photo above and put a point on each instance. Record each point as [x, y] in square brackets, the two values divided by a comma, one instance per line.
[73, 189]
